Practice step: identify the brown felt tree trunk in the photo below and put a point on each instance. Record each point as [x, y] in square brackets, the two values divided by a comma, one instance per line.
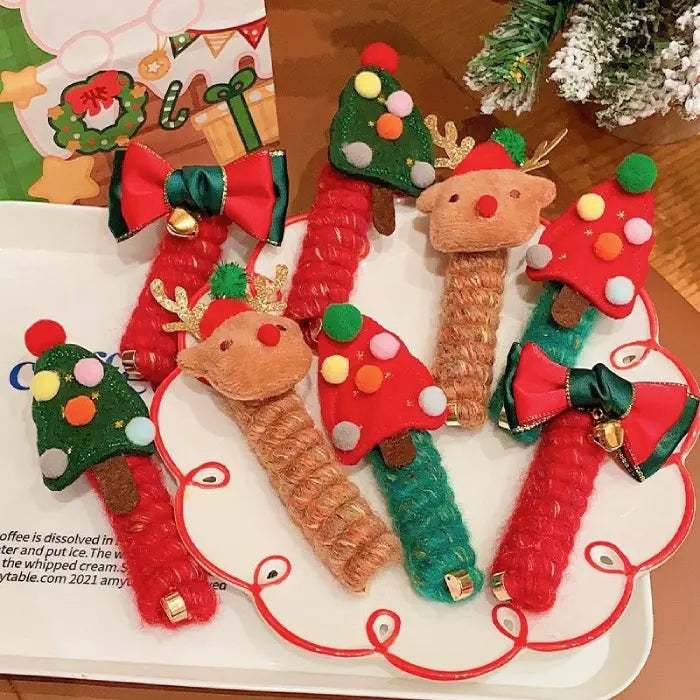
[568, 307]
[383, 213]
[399, 450]
[116, 483]
[346, 534]
[471, 310]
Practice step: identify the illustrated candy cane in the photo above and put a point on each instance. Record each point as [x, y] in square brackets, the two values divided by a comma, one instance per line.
[253, 360]
[201, 202]
[378, 145]
[89, 420]
[588, 415]
[594, 259]
[378, 400]
[490, 204]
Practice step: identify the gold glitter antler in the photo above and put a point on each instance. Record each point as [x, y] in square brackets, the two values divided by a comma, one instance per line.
[189, 318]
[538, 160]
[266, 297]
[448, 143]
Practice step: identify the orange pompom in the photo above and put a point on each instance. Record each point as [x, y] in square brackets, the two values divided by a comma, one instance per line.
[79, 410]
[389, 126]
[607, 246]
[369, 378]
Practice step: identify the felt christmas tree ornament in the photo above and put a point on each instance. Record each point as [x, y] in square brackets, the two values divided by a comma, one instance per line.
[378, 400]
[378, 145]
[588, 416]
[594, 259]
[253, 360]
[200, 203]
[489, 205]
[90, 421]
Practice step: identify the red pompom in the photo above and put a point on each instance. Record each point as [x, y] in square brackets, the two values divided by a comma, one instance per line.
[486, 206]
[269, 334]
[219, 311]
[43, 335]
[380, 55]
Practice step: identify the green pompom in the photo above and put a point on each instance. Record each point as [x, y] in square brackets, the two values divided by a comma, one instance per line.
[342, 322]
[228, 281]
[513, 142]
[637, 173]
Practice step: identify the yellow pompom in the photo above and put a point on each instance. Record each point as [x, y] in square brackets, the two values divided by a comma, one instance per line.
[335, 369]
[590, 207]
[45, 385]
[368, 84]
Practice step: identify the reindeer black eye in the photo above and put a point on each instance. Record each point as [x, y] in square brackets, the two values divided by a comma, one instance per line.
[515, 194]
[454, 198]
[280, 326]
[225, 345]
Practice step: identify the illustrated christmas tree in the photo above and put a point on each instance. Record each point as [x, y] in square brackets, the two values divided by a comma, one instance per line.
[594, 259]
[378, 144]
[375, 394]
[89, 420]
[634, 59]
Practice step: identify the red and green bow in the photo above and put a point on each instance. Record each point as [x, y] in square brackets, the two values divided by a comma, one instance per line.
[251, 192]
[650, 418]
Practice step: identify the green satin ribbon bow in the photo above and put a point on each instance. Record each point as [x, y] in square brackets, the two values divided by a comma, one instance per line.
[197, 188]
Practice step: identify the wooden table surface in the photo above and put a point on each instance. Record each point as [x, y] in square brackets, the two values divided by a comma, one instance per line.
[314, 52]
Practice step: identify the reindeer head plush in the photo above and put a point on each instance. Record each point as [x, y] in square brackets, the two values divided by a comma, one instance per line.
[246, 353]
[490, 202]
[250, 356]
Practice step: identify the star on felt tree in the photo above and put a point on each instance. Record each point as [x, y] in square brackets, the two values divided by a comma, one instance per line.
[378, 134]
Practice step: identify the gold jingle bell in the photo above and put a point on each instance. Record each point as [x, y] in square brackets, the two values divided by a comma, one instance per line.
[174, 607]
[182, 224]
[609, 435]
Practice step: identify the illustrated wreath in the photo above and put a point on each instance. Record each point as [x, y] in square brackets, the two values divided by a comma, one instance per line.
[88, 98]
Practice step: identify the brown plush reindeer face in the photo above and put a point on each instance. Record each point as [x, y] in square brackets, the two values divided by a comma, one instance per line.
[485, 210]
[250, 356]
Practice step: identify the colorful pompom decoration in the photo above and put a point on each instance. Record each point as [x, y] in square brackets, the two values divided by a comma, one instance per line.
[637, 173]
[380, 55]
[342, 322]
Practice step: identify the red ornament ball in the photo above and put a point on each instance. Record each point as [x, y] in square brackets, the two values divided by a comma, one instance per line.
[487, 206]
[43, 335]
[269, 334]
[380, 55]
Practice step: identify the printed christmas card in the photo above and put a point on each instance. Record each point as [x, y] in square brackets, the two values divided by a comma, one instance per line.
[191, 79]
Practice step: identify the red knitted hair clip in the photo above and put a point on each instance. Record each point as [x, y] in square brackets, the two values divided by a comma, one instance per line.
[200, 203]
[587, 415]
[89, 420]
[378, 144]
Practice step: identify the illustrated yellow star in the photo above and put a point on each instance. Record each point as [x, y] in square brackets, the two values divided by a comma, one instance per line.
[55, 112]
[64, 181]
[409, 161]
[21, 87]
[118, 423]
[138, 90]
[95, 395]
[68, 378]
[371, 123]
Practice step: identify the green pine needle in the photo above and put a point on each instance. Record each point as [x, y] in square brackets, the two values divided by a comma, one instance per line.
[228, 281]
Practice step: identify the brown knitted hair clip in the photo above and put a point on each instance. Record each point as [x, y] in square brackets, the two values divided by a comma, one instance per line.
[253, 359]
[490, 204]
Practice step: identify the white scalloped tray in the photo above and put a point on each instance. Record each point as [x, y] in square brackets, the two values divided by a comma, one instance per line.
[628, 529]
[65, 267]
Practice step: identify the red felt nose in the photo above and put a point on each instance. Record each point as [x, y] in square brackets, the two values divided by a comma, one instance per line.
[269, 334]
[487, 205]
